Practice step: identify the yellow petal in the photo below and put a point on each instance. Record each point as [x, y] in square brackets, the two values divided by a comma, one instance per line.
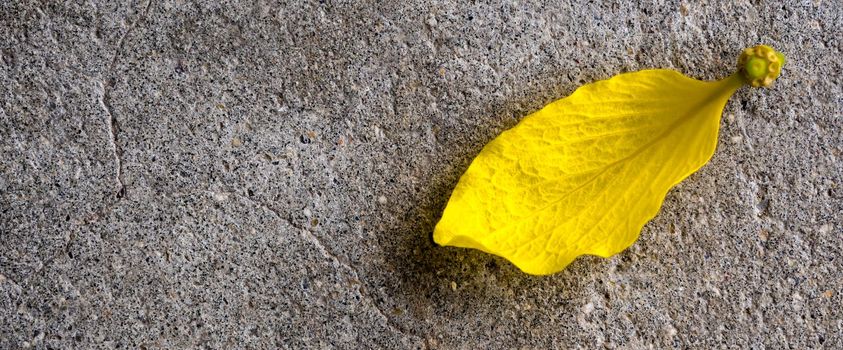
[586, 172]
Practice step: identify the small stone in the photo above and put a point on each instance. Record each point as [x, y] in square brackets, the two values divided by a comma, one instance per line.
[764, 235]
[588, 308]
[220, 196]
[825, 229]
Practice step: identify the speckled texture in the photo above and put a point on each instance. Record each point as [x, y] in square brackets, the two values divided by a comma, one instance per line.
[260, 175]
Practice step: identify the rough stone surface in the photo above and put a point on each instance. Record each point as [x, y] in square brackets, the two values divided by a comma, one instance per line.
[180, 174]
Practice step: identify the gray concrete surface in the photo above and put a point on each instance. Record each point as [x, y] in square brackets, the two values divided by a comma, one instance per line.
[189, 174]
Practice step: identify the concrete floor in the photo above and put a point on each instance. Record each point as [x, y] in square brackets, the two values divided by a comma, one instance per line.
[206, 174]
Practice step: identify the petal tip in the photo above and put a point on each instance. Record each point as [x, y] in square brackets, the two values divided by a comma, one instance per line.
[441, 237]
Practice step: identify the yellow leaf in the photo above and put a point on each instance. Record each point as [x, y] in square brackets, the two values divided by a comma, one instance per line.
[585, 173]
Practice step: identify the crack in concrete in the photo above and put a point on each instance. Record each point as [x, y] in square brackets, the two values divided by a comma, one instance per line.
[310, 236]
[121, 41]
[313, 238]
[106, 86]
[113, 131]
